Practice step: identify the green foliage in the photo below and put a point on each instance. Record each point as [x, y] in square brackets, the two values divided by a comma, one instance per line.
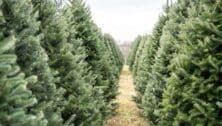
[67, 58]
[178, 73]
[115, 53]
[32, 58]
[132, 52]
[97, 56]
[15, 98]
[192, 96]
[148, 58]
[138, 55]
[70, 77]
[168, 49]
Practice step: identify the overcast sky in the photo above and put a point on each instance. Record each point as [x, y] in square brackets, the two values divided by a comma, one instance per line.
[125, 19]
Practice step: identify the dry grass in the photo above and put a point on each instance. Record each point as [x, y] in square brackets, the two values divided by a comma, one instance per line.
[127, 113]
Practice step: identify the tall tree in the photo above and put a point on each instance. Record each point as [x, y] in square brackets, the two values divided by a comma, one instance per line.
[132, 53]
[32, 58]
[67, 57]
[168, 48]
[193, 95]
[15, 98]
[148, 58]
[91, 36]
[138, 55]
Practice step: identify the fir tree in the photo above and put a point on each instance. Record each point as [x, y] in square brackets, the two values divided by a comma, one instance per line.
[141, 67]
[192, 96]
[132, 53]
[147, 59]
[138, 52]
[15, 98]
[168, 49]
[67, 57]
[32, 58]
[105, 69]
[91, 36]
[115, 52]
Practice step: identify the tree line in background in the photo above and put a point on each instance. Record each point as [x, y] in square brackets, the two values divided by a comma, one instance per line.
[56, 67]
[178, 68]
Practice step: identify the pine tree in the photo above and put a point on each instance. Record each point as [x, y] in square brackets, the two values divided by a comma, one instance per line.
[115, 62]
[91, 36]
[168, 49]
[15, 98]
[32, 58]
[108, 80]
[83, 103]
[147, 59]
[115, 54]
[138, 56]
[141, 62]
[111, 56]
[67, 57]
[192, 96]
[132, 53]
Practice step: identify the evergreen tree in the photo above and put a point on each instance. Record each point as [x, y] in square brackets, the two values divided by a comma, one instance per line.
[117, 54]
[89, 105]
[147, 59]
[168, 49]
[112, 57]
[67, 56]
[32, 58]
[141, 62]
[115, 62]
[105, 69]
[138, 55]
[114, 52]
[15, 98]
[192, 96]
[132, 53]
[91, 36]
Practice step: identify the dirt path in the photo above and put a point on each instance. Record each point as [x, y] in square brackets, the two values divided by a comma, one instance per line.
[127, 113]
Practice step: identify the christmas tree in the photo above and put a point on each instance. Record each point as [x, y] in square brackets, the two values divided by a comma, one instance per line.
[32, 58]
[97, 56]
[15, 98]
[132, 52]
[168, 49]
[192, 95]
[138, 55]
[67, 57]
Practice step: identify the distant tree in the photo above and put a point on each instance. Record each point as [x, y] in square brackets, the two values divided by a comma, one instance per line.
[148, 58]
[97, 56]
[138, 55]
[160, 70]
[132, 53]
